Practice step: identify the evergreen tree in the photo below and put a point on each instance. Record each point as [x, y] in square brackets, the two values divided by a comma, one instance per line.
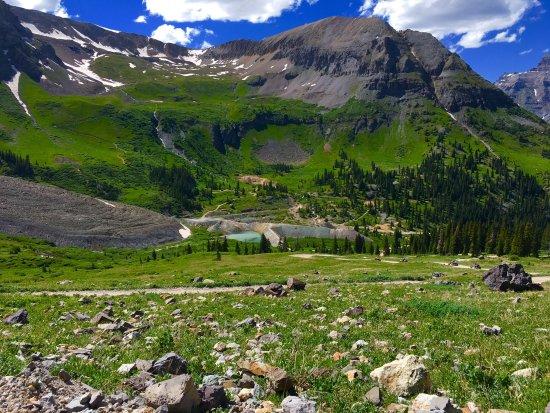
[265, 246]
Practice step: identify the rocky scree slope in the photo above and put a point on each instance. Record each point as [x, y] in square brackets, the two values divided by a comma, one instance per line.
[68, 219]
[531, 89]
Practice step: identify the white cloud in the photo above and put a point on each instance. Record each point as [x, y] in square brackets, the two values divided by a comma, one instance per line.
[474, 22]
[525, 52]
[141, 19]
[255, 11]
[171, 34]
[206, 45]
[48, 6]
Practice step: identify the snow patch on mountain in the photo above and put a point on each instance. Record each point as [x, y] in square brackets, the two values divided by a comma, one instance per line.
[13, 85]
[83, 68]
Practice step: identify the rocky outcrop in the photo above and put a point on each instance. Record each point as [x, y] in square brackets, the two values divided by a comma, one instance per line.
[531, 89]
[512, 277]
[333, 60]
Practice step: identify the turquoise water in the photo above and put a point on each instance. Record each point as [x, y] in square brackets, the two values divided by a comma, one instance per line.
[248, 236]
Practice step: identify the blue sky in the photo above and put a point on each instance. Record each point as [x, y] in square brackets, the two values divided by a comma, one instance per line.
[493, 36]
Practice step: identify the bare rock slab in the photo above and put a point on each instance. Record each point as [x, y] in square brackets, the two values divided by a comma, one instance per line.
[179, 394]
[404, 377]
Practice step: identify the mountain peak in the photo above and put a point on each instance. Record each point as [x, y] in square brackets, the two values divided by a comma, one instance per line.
[530, 89]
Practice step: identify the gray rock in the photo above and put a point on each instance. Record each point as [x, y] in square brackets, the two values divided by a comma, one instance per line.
[178, 393]
[274, 289]
[79, 403]
[140, 382]
[405, 376]
[247, 322]
[170, 363]
[96, 399]
[354, 311]
[102, 317]
[293, 404]
[374, 396]
[213, 397]
[490, 331]
[510, 278]
[295, 284]
[430, 403]
[19, 317]
[126, 369]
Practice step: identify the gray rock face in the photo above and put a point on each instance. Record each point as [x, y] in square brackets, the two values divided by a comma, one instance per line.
[179, 394]
[333, 60]
[530, 89]
[510, 278]
[170, 363]
[19, 317]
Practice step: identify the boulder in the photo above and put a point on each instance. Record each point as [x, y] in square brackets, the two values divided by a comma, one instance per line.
[293, 404]
[405, 376]
[510, 278]
[355, 311]
[526, 374]
[431, 403]
[212, 397]
[279, 380]
[179, 394]
[102, 317]
[490, 331]
[274, 289]
[170, 363]
[374, 396]
[295, 284]
[19, 317]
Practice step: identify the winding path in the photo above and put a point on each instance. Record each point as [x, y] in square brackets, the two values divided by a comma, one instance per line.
[206, 290]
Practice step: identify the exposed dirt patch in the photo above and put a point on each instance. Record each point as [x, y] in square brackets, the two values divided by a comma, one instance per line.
[63, 160]
[282, 152]
[69, 219]
[254, 180]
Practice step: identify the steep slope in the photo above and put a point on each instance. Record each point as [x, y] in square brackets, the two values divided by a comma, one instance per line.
[59, 52]
[531, 89]
[76, 220]
[336, 59]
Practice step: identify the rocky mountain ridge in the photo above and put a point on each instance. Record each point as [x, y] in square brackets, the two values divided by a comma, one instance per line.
[58, 52]
[327, 62]
[336, 59]
[531, 89]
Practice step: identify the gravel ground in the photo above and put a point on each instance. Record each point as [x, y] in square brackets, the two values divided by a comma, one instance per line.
[69, 219]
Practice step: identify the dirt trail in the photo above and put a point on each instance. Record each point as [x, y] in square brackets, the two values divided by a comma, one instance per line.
[213, 290]
[184, 290]
[214, 210]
